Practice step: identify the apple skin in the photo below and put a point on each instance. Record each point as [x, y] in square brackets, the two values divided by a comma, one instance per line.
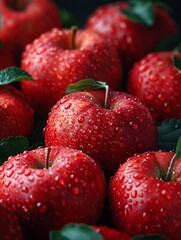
[54, 63]
[19, 24]
[9, 226]
[141, 201]
[16, 115]
[71, 189]
[109, 134]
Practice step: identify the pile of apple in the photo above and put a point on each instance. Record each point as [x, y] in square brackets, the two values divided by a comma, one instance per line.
[90, 119]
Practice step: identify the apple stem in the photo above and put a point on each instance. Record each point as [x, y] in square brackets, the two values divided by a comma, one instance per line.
[72, 37]
[106, 95]
[169, 170]
[47, 152]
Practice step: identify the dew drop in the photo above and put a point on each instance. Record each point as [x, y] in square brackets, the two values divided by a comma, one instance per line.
[68, 105]
[30, 178]
[91, 121]
[40, 173]
[25, 209]
[41, 207]
[10, 173]
[75, 190]
[149, 96]
[25, 190]
[7, 184]
[134, 193]
[81, 119]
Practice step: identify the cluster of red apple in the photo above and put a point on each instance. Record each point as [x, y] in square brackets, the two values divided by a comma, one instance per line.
[88, 118]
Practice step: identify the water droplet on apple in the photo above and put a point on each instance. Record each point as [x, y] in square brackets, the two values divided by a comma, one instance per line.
[10, 173]
[30, 178]
[68, 105]
[134, 193]
[9, 166]
[7, 183]
[91, 121]
[81, 119]
[25, 209]
[25, 190]
[40, 173]
[61, 182]
[41, 207]
[75, 190]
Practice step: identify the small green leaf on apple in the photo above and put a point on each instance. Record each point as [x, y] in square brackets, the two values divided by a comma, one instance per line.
[11, 146]
[169, 132]
[141, 12]
[67, 18]
[13, 74]
[177, 62]
[85, 84]
[149, 237]
[75, 232]
[169, 43]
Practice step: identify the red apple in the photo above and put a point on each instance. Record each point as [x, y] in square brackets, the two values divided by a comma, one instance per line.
[9, 226]
[156, 81]
[135, 27]
[16, 115]
[144, 199]
[23, 21]
[107, 131]
[8, 59]
[50, 187]
[60, 57]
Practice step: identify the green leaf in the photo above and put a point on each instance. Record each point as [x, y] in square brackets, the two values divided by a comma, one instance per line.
[149, 237]
[168, 43]
[141, 12]
[178, 148]
[177, 62]
[169, 132]
[13, 74]
[67, 18]
[11, 146]
[84, 84]
[75, 232]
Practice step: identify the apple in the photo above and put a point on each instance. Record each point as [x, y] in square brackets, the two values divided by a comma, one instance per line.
[145, 194]
[135, 27]
[155, 80]
[23, 21]
[16, 114]
[8, 59]
[50, 187]
[107, 125]
[9, 226]
[60, 57]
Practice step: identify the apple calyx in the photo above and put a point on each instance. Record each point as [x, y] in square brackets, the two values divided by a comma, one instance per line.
[176, 155]
[89, 84]
[73, 31]
[47, 155]
[18, 5]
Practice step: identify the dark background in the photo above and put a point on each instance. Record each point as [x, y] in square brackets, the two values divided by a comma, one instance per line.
[81, 9]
